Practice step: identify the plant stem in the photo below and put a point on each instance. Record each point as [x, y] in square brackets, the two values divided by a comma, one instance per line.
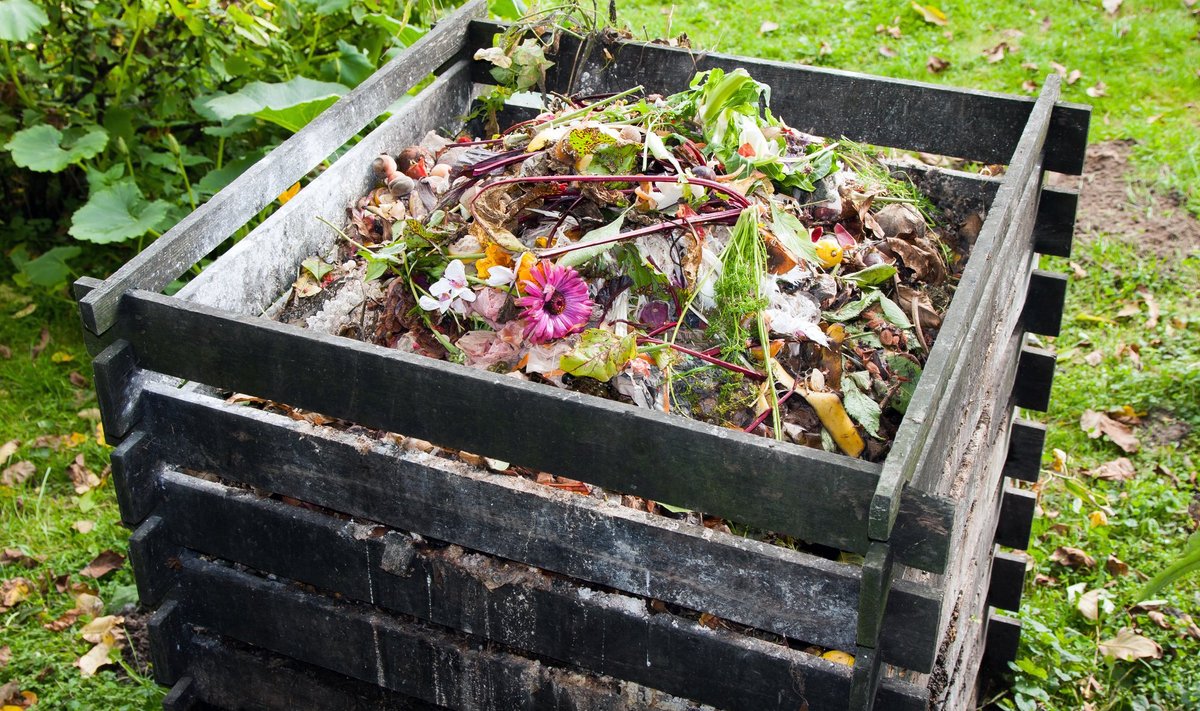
[186, 183]
[220, 151]
[752, 374]
[16, 78]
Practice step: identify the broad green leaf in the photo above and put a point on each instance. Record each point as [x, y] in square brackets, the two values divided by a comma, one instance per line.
[861, 408]
[579, 256]
[352, 65]
[854, 308]
[326, 7]
[41, 148]
[117, 213]
[873, 275]
[508, 9]
[50, 269]
[20, 20]
[893, 313]
[911, 372]
[216, 179]
[600, 354]
[793, 234]
[290, 104]
[316, 267]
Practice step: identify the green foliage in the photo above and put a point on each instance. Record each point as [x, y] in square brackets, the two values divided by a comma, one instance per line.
[123, 116]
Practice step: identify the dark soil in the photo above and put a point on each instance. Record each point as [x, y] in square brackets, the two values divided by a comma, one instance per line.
[1110, 202]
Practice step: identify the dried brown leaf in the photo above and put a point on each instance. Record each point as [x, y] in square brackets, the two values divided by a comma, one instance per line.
[936, 64]
[1119, 469]
[1097, 423]
[1152, 312]
[78, 380]
[997, 53]
[1094, 358]
[1072, 557]
[43, 342]
[13, 556]
[8, 449]
[931, 14]
[1159, 619]
[1130, 646]
[767, 27]
[1098, 90]
[887, 51]
[13, 591]
[5, 352]
[1074, 76]
[82, 478]
[17, 473]
[1111, 6]
[5, 658]
[67, 619]
[103, 564]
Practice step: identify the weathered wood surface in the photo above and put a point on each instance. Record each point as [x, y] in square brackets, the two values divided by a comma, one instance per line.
[1007, 581]
[135, 481]
[227, 675]
[255, 271]
[1055, 232]
[777, 486]
[392, 651]
[1044, 304]
[759, 585]
[1026, 441]
[1004, 240]
[603, 632]
[204, 229]
[976, 125]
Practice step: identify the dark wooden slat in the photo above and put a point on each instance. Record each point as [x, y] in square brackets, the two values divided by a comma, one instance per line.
[135, 482]
[153, 557]
[203, 230]
[168, 634]
[1008, 581]
[1026, 440]
[976, 125]
[740, 579]
[1035, 377]
[1003, 641]
[865, 679]
[1056, 222]
[93, 343]
[876, 584]
[183, 697]
[606, 633]
[930, 407]
[1016, 518]
[260, 267]
[230, 675]
[813, 495]
[1044, 304]
[391, 651]
[118, 384]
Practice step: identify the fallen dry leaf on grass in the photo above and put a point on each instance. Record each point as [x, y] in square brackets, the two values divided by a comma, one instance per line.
[1094, 602]
[936, 64]
[1100, 89]
[14, 591]
[82, 478]
[887, 51]
[5, 656]
[5, 352]
[42, 344]
[767, 27]
[1111, 6]
[1094, 358]
[1072, 557]
[77, 379]
[931, 14]
[103, 564]
[1130, 646]
[1152, 312]
[17, 473]
[1097, 423]
[8, 449]
[996, 54]
[1074, 76]
[14, 556]
[1116, 567]
[84, 526]
[1119, 469]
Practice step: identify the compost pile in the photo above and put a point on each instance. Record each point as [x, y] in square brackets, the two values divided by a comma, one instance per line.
[690, 253]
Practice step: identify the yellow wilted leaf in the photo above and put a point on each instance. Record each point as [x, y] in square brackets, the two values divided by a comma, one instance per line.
[931, 13]
[100, 434]
[62, 357]
[92, 661]
[103, 630]
[14, 591]
[75, 439]
[289, 194]
[1097, 519]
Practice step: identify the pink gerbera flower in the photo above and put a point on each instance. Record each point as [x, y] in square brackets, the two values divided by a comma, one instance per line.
[556, 302]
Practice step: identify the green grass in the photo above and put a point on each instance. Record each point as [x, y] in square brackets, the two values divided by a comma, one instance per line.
[37, 399]
[1146, 55]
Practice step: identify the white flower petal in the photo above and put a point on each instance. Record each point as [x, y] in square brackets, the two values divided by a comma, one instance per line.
[500, 276]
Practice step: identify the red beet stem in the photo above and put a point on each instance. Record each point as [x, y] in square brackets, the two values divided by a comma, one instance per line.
[752, 374]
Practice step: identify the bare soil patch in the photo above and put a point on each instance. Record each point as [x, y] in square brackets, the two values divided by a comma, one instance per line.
[1111, 203]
